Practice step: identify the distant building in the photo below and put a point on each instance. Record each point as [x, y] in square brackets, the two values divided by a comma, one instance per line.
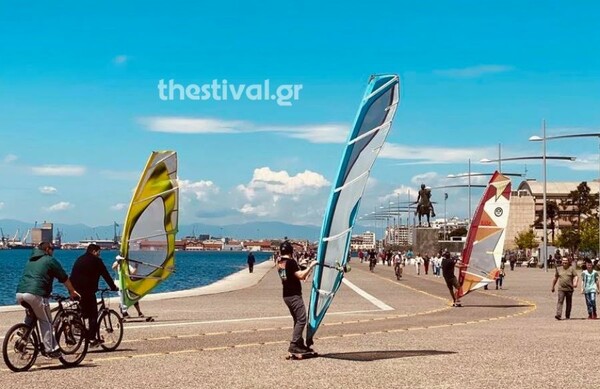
[364, 241]
[45, 233]
[526, 207]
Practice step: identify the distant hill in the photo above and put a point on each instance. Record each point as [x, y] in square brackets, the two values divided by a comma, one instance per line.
[255, 230]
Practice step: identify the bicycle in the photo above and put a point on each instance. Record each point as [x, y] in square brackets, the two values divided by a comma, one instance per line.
[372, 263]
[22, 342]
[110, 324]
[398, 271]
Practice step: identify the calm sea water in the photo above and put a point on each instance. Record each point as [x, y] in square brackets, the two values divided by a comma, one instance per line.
[192, 269]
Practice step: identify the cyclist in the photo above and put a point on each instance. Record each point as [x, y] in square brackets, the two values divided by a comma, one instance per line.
[35, 287]
[398, 265]
[85, 275]
[372, 259]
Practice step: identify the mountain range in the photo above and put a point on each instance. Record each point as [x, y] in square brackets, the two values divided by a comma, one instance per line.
[254, 230]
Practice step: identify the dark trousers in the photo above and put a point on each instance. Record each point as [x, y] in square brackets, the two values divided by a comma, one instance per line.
[89, 311]
[251, 267]
[296, 306]
[562, 296]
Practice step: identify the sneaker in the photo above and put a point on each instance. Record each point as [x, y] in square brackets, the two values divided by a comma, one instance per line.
[95, 342]
[594, 316]
[54, 354]
[141, 315]
[557, 317]
[125, 315]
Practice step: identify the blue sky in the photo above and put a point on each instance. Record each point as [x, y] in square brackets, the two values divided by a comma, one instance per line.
[80, 109]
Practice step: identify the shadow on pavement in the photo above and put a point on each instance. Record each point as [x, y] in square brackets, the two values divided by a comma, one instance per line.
[369, 356]
[496, 306]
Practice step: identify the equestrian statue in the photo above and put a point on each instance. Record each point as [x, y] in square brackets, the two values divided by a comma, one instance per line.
[425, 206]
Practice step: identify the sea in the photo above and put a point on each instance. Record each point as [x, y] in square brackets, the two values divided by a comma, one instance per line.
[192, 269]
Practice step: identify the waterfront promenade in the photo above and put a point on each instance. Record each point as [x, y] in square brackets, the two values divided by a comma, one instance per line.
[379, 333]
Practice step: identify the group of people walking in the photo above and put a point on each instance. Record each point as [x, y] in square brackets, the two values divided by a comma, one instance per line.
[567, 279]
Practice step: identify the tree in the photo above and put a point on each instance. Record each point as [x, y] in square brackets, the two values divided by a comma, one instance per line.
[552, 212]
[589, 235]
[569, 238]
[582, 202]
[526, 240]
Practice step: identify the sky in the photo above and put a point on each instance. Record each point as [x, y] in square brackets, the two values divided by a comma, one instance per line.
[85, 98]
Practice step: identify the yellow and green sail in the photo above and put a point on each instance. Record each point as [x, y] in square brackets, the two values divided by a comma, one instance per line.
[148, 241]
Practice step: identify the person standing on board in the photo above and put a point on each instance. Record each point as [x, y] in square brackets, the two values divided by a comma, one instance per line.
[589, 287]
[251, 261]
[448, 264]
[35, 287]
[566, 276]
[291, 275]
[85, 275]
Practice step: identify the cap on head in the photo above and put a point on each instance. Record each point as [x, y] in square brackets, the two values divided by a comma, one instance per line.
[286, 248]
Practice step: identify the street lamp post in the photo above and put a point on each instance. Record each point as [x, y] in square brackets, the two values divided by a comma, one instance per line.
[545, 138]
[544, 158]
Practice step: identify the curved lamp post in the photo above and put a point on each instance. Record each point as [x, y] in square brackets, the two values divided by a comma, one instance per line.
[545, 138]
[544, 158]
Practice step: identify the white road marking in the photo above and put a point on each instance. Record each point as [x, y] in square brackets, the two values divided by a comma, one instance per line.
[372, 299]
[193, 323]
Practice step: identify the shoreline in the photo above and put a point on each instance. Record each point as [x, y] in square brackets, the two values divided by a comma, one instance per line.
[239, 280]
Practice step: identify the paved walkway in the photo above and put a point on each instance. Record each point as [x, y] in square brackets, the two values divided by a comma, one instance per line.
[405, 335]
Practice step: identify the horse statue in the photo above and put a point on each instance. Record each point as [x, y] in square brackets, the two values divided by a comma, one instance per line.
[424, 207]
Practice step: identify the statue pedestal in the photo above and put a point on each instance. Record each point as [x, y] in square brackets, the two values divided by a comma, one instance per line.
[425, 240]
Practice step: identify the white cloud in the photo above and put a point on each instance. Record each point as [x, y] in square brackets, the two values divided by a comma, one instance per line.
[201, 190]
[281, 183]
[432, 155]
[47, 190]
[318, 133]
[121, 59]
[277, 195]
[58, 170]
[9, 158]
[324, 133]
[474, 71]
[118, 207]
[59, 207]
[187, 125]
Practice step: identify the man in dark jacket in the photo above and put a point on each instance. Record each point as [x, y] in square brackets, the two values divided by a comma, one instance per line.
[85, 276]
[35, 287]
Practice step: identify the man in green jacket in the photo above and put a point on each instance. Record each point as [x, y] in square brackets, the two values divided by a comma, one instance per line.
[36, 286]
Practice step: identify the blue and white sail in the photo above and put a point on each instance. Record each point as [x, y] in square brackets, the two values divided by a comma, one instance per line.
[365, 140]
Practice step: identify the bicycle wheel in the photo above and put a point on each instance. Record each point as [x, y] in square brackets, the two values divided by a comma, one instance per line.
[73, 342]
[20, 347]
[110, 330]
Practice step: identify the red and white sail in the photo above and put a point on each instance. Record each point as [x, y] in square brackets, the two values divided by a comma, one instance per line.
[482, 254]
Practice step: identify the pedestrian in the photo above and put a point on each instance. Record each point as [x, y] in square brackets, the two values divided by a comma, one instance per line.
[132, 271]
[251, 261]
[567, 278]
[361, 255]
[85, 275]
[589, 287]
[448, 264]
[501, 275]
[291, 275]
[418, 263]
[35, 288]
[426, 261]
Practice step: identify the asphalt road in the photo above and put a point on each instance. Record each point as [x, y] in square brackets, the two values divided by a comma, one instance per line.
[405, 335]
